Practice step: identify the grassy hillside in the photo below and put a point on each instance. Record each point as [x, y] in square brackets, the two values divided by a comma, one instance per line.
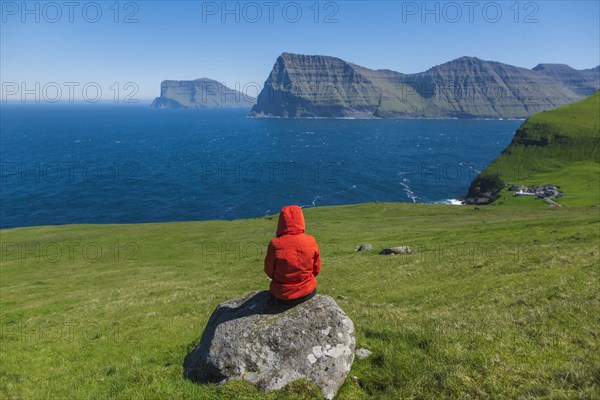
[502, 302]
[559, 147]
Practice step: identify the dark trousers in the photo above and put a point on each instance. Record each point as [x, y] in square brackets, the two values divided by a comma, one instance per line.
[294, 302]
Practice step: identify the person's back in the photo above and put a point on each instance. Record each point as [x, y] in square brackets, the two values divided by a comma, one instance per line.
[292, 260]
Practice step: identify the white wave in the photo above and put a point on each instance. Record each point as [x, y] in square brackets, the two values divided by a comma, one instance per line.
[409, 193]
[451, 202]
[314, 202]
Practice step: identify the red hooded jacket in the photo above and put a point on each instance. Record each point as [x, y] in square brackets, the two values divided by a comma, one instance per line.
[293, 259]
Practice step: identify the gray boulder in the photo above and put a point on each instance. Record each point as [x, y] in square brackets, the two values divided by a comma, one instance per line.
[273, 345]
[363, 353]
[365, 246]
[396, 250]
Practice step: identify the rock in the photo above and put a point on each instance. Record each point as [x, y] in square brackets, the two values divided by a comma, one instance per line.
[396, 250]
[365, 246]
[200, 93]
[301, 86]
[551, 202]
[363, 353]
[271, 346]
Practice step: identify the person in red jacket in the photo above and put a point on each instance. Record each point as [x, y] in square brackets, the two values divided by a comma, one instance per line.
[292, 261]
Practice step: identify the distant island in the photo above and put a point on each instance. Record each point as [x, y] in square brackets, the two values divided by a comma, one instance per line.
[200, 93]
[303, 86]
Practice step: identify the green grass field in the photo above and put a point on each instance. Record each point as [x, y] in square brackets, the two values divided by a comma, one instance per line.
[559, 147]
[497, 302]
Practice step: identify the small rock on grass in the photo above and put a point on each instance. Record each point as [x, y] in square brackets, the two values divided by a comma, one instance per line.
[364, 246]
[396, 250]
[363, 353]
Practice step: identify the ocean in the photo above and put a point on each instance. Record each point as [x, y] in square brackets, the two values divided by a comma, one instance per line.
[83, 163]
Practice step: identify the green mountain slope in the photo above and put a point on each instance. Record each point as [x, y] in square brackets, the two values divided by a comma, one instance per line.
[498, 303]
[559, 147]
[468, 87]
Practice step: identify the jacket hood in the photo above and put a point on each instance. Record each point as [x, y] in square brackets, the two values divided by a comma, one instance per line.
[291, 221]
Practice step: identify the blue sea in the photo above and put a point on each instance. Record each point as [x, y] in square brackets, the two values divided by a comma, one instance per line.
[65, 164]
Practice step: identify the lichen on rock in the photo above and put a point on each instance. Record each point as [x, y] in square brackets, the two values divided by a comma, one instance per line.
[271, 346]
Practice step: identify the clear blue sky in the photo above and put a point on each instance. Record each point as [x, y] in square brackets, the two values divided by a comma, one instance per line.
[193, 39]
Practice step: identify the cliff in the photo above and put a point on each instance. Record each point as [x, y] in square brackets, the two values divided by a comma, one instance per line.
[200, 93]
[468, 87]
[561, 147]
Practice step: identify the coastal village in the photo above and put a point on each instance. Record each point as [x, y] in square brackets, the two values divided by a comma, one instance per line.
[548, 193]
